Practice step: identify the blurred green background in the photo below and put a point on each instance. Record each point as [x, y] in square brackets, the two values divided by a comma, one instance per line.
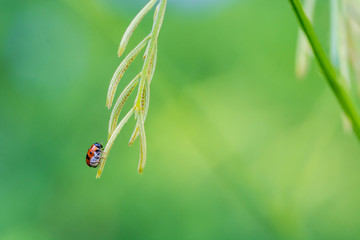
[237, 147]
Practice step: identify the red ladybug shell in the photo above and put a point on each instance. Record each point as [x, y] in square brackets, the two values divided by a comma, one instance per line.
[96, 147]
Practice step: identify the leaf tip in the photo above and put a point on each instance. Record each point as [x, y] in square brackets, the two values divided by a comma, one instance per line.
[120, 51]
[108, 103]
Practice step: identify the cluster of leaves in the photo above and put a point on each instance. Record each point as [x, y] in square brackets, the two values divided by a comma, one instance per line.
[142, 80]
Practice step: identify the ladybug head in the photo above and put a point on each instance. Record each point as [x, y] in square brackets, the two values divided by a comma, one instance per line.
[98, 145]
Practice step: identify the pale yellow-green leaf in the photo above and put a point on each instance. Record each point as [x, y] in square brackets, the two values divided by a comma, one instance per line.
[111, 141]
[121, 70]
[120, 103]
[131, 28]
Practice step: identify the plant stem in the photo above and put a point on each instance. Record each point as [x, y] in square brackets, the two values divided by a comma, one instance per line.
[151, 48]
[111, 141]
[340, 92]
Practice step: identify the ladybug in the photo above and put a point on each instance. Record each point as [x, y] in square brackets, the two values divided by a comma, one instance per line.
[93, 155]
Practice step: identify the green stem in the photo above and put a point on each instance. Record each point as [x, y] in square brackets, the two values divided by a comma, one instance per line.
[151, 47]
[340, 92]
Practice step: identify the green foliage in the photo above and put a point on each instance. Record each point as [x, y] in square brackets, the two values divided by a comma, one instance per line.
[239, 149]
[141, 105]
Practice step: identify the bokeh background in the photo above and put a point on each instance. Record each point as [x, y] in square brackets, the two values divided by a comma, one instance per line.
[238, 148]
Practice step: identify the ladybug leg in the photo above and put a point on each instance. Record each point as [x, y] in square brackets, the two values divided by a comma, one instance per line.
[96, 160]
[103, 154]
